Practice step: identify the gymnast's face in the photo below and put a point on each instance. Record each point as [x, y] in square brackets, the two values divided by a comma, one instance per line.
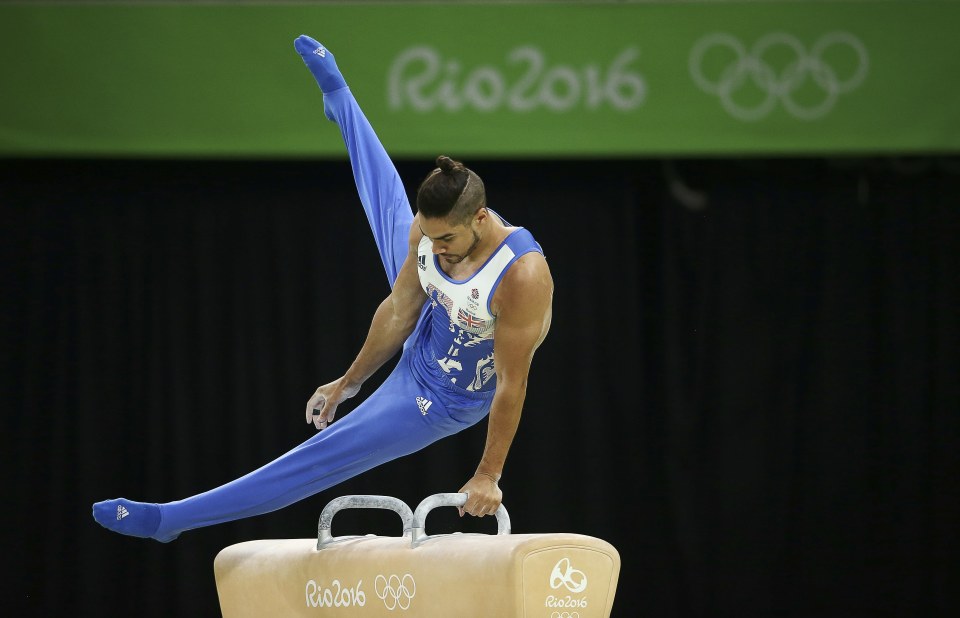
[453, 243]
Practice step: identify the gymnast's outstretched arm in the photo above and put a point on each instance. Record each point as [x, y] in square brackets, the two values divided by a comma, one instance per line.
[381, 190]
[392, 323]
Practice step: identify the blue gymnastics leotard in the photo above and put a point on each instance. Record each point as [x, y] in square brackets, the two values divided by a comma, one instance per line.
[443, 383]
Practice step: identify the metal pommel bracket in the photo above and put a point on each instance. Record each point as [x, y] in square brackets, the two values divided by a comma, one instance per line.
[359, 502]
[429, 503]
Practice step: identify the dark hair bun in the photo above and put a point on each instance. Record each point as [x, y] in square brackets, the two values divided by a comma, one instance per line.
[448, 165]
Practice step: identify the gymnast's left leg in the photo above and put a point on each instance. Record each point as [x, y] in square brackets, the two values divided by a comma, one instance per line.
[388, 425]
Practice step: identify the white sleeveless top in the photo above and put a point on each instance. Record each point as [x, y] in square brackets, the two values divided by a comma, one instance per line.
[457, 326]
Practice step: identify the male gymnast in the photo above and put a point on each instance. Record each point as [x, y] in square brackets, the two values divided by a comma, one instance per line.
[459, 275]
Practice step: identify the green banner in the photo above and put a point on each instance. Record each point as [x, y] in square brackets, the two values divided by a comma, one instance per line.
[516, 80]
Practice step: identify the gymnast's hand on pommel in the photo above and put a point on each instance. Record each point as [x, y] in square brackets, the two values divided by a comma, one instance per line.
[483, 495]
[322, 406]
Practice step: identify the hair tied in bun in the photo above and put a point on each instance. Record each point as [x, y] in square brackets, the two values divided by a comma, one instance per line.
[448, 165]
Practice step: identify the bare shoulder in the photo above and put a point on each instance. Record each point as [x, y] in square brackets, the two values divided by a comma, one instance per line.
[527, 283]
[529, 269]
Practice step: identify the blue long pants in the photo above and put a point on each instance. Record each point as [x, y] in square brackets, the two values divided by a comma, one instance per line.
[389, 423]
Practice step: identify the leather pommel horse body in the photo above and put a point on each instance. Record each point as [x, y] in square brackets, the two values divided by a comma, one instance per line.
[451, 575]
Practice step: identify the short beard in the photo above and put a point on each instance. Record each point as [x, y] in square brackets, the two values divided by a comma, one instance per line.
[466, 254]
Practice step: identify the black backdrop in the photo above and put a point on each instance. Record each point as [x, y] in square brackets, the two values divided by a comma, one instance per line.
[750, 387]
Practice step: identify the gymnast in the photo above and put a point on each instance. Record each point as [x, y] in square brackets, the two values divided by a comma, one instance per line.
[470, 303]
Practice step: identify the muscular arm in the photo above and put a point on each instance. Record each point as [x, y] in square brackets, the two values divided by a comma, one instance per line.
[522, 304]
[392, 323]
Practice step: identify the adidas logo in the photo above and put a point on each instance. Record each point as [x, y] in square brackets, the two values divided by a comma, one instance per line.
[424, 405]
[422, 262]
[320, 51]
[121, 512]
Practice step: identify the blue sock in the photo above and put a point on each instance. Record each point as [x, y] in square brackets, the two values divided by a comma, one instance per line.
[321, 63]
[128, 517]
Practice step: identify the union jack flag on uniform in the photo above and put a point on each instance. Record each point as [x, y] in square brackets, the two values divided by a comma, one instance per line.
[470, 321]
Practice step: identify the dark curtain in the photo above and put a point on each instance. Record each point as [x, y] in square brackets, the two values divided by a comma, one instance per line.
[750, 387]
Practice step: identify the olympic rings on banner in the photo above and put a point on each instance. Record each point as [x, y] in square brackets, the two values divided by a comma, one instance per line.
[778, 86]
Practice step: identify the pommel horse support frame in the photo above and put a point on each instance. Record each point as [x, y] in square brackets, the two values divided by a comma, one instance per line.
[445, 575]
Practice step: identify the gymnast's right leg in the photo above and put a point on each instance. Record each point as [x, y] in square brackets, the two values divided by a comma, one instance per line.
[381, 191]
